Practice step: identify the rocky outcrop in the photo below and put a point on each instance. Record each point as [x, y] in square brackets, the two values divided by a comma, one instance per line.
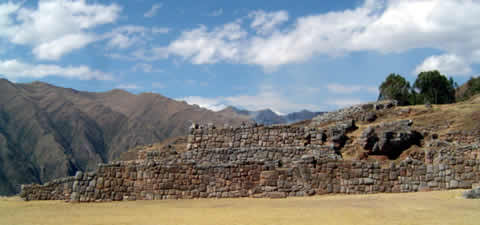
[390, 139]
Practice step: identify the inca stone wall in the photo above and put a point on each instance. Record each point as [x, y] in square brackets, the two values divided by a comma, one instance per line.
[274, 162]
[59, 189]
[254, 136]
[149, 179]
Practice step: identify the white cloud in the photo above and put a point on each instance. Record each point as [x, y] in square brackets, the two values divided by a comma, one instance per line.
[202, 46]
[54, 25]
[128, 87]
[5, 21]
[132, 37]
[376, 25]
[55, 49]
[267, 97]
[349, 89]
[448, 64]
[217, 12]
[266, 22]
[14, 69]
[153, 11]
[312, 35]
[126, 36]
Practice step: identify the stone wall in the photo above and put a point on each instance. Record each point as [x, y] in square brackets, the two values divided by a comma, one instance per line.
[277, 162]
[59, 189]
[254, 136]
[285, 155]
[445, 168]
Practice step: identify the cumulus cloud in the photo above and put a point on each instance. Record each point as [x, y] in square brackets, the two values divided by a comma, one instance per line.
[203, 46]
[153, 11]
[383, 26]
[55, 27]
[14, 69]
[349, 89]
[55, 49]
[272, 46]
[448, 64]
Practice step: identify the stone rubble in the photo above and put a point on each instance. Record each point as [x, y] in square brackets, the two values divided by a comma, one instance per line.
[362, 112]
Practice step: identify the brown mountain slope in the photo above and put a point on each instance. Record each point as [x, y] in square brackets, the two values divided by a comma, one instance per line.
[48, 132]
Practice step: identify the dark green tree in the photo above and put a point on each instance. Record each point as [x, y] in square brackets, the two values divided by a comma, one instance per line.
[395, 87]
[434, 88]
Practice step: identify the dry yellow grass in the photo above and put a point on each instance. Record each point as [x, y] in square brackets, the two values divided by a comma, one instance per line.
[409, 209]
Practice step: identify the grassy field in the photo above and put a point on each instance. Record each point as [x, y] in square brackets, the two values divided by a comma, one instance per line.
[409, 209]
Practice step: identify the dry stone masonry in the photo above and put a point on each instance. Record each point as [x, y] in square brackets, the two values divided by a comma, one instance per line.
[273, 162]
[361, 112]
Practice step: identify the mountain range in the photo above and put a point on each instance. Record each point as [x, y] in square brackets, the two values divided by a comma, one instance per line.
[48, 132]
[269, 117]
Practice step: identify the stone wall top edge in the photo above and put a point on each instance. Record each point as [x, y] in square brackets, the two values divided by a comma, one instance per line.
[58, 181]
[210, 127]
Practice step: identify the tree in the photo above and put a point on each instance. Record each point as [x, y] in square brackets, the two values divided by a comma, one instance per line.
[435, 88]
[395, 87]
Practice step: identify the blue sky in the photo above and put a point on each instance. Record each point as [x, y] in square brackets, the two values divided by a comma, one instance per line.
[316, 55]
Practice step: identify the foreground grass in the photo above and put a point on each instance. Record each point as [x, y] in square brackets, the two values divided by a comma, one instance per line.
[412, 208]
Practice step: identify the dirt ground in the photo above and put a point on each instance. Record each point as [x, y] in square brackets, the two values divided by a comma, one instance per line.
[411, 208]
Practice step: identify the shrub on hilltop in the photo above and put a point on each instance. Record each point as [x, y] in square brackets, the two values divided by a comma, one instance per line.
[434, 88]
[429, 87]
[395, 87]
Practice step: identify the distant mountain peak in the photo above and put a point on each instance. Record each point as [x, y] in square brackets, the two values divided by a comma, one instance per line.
[269, 117]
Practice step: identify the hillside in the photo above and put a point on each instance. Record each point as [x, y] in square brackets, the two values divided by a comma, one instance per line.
[468, 89]
[399, 131]
[437, 126]
[48, 132]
